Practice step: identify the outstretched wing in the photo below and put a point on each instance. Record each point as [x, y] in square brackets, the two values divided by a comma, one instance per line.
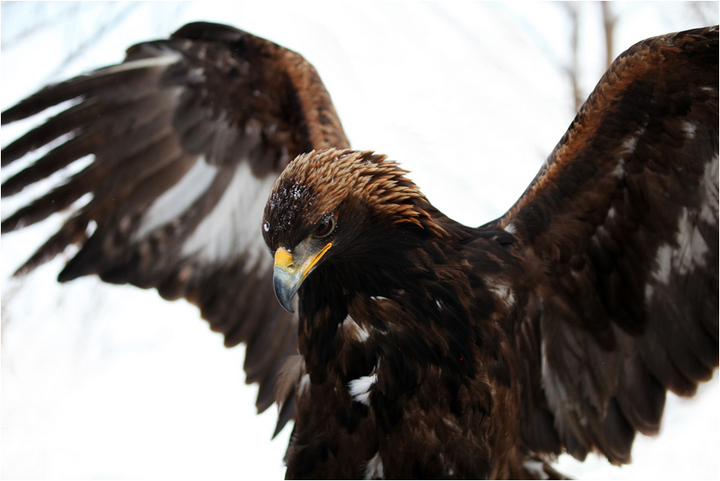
[187, 137]
[620, 234]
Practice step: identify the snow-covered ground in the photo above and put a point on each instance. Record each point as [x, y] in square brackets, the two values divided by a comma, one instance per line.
[106, 381]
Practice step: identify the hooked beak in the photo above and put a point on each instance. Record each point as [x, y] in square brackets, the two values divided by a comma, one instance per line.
[289, 273]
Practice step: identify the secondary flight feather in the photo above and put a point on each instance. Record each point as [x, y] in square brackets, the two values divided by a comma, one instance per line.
[422, 347]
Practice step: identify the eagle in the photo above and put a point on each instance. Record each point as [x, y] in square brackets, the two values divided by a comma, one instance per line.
[404, 344]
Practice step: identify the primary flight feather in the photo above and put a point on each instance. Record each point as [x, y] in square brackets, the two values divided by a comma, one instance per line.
[419, 347]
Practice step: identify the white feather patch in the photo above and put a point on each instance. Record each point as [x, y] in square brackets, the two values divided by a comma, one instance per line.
[355, 330]
[360, 388]
[691, 246]
[629, 143]
[374, 468]
[168, 58]
[557, 395]
[304, 386]
[536, 468]
[619, 171]
[689, 254]
[232, 228]
[628, 147]
[689, 128]
[664, 262]
[502, 290]
[709, 210]
[177, 199]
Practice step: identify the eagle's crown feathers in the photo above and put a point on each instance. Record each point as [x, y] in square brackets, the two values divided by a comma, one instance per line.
[316, 183]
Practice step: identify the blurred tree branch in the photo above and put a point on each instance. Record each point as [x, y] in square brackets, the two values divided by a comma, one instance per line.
[572, 70]
[609, 22]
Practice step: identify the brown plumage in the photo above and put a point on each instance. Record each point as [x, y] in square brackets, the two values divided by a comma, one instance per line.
[184, 132]
[530, 334]
[420, 347]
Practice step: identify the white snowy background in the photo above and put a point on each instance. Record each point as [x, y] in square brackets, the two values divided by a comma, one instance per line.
[111, 382]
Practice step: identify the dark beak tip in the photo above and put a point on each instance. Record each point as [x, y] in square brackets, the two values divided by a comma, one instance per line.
[288, 308]
[284, 289]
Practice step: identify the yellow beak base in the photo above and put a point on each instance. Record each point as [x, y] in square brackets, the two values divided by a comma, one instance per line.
[288, 276]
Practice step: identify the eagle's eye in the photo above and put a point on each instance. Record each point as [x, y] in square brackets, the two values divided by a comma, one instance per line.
[324, 228]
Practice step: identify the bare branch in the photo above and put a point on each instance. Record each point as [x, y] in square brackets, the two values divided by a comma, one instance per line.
[609, 22]
[572, 70]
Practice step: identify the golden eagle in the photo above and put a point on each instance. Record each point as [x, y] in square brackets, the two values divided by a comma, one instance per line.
[421, 347]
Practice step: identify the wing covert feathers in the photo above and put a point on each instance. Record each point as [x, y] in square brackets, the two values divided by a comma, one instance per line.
[179, 147]
[620, 233]
[170, 156]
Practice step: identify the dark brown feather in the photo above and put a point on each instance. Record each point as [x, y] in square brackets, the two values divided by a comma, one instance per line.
[629, 302]
[434, 350]
[426, 348]
[210, 96]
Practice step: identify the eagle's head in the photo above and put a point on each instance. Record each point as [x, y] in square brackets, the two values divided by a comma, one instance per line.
[343, 206]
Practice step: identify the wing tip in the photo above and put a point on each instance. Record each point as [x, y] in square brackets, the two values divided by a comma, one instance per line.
[208, 31]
